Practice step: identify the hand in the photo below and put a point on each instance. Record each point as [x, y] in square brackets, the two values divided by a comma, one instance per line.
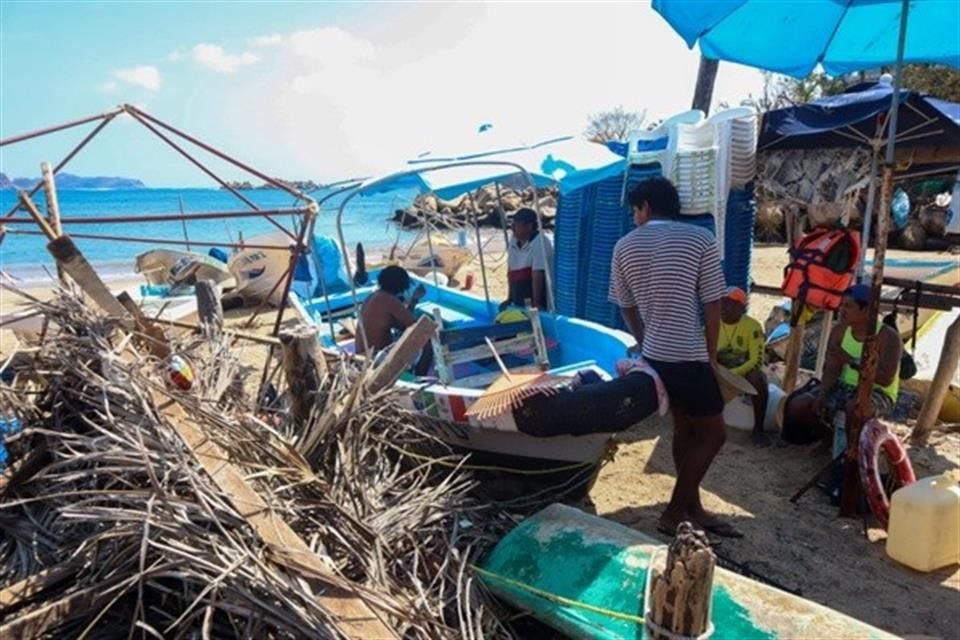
[418, 293]
[634, 350]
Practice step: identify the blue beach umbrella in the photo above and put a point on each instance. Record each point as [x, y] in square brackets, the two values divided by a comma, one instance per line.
[795, 36]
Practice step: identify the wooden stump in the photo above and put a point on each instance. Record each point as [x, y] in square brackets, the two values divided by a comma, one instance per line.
[209, 308]
[680, 596]
[305, 367]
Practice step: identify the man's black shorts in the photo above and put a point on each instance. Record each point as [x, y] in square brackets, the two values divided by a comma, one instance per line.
[692, 387]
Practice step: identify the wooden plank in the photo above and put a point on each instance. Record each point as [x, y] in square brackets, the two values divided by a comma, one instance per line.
[451, 337]
[353, 617]
[34, 622]
[19, 592]
[947, 365]
[53, 206]
[155, 339]
[511, 345]
[66, 253]
[402, 354]
[483, 380]
[825, 330]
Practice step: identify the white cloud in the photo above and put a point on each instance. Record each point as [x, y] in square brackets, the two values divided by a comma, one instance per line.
[213, 57]
[145, 76]
[267, 41]
[349, 102]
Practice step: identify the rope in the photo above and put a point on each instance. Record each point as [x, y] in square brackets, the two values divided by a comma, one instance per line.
[487, 467]
[558, 599]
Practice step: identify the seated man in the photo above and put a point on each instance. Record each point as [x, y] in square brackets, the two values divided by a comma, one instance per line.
[529, 257]
[810, 415]
[385, 311]
[740, 349]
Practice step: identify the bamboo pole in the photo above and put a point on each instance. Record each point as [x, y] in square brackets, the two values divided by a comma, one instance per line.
[949, 359]
[53, 206]
[825, 329]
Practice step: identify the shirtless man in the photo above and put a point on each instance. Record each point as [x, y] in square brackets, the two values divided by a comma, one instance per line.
[385, 311]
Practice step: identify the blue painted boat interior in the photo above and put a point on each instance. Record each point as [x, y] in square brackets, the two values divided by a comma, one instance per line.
[570, 342]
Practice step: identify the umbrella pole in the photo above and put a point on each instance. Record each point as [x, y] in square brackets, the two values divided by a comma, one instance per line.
[868, 212]
[850, 497]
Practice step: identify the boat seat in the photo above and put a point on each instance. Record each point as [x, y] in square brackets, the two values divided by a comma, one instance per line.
[458, 345]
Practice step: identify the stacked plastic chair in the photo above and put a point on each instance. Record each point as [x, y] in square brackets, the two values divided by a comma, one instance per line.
[738, 237]
[570, 239]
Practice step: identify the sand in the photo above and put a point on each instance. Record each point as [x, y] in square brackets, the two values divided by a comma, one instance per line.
[804, 546]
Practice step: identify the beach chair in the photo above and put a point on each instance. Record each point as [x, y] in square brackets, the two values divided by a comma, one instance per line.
[458, 346]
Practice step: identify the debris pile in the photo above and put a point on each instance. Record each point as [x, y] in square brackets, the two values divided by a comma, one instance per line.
[131, 509]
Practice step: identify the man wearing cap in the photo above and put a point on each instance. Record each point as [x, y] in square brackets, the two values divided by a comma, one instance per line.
[809, 414]
[740, 349]
[529, 257]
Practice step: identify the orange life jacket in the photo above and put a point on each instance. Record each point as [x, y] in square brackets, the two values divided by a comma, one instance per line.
[822, 267]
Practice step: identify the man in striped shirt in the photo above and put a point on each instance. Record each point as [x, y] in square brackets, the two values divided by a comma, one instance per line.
[664, 273]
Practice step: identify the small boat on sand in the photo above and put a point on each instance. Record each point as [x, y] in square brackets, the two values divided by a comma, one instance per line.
[171, 267]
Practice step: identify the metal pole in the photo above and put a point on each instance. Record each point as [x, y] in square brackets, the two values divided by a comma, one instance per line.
[73, 152]
[59, 127]
[503, 217]
[868, 368]
[483, 267]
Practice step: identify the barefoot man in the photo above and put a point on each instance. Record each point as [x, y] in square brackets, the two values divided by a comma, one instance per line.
[664, 274]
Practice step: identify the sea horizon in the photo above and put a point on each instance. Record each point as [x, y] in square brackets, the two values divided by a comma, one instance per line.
[24, 256]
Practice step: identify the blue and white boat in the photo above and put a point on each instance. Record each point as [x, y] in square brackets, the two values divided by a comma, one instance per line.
[569, 428]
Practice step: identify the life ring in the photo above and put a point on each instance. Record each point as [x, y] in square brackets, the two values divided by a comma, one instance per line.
[874, 436]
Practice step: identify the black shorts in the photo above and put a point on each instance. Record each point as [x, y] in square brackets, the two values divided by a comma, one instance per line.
[692, 387]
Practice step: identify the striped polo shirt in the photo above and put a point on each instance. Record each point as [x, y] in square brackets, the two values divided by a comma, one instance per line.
[668, 270]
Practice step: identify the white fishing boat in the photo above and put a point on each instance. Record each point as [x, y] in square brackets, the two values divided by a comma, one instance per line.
[169, 267]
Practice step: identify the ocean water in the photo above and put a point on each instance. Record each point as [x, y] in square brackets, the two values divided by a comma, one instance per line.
[25, 256]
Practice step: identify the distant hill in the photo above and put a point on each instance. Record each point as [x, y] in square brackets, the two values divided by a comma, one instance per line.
[70, 181]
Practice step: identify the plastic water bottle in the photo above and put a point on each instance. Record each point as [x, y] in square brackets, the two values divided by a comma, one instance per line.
[461, 238]
[839, 433]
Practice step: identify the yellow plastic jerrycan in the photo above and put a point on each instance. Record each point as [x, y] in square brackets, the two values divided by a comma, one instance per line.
[924, 531]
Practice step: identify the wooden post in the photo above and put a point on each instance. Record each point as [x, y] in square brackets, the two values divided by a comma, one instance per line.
[209, 308]
[305, 368]
[706, 78]
[940, 385]
[825, 330]
[794, 352]
[850, 494]
[53, 206]
[680, 596]
[402, 354]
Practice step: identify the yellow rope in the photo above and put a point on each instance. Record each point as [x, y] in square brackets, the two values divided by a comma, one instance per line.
[552, 597]
[482, 467]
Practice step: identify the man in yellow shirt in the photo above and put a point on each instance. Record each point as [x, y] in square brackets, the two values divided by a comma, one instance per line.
[740, 349]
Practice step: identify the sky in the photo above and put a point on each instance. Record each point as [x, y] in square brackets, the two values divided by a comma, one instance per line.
[328, 91]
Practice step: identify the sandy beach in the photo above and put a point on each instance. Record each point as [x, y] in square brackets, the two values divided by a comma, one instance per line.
[804, 547]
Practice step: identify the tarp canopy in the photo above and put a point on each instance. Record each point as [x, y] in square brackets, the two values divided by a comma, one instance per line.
[568, 161]
[852, 119]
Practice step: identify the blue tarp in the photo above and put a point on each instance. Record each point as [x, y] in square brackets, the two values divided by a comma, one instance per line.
[849, 119]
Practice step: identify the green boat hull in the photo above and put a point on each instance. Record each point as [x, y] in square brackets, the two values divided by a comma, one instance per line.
[584, 576]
